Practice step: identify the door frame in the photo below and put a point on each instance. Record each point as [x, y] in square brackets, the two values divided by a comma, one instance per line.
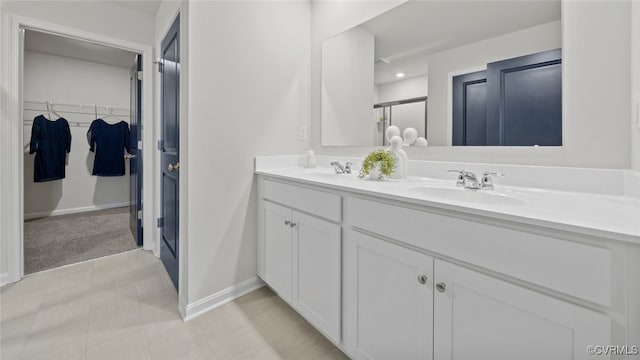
[11, 135]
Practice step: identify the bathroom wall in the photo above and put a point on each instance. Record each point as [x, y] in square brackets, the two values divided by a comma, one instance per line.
[248, 94]
[72, 81]
[101, 17]
[596, 123]
[347, 87]
[95, 16]
[474, 57]
[635, 86]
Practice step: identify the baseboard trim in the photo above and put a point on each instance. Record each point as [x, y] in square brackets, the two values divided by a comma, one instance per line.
[4, 279]
[74, 210]
[197, 308]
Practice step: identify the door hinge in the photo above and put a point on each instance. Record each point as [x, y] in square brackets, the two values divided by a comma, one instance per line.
[140, 75]
[139, 214]
[160, 222]
[160, 145]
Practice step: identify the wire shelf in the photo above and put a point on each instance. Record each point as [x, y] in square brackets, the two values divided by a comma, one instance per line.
[76, 114]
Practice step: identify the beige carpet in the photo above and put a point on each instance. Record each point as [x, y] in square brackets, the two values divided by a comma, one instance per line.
[54, 241]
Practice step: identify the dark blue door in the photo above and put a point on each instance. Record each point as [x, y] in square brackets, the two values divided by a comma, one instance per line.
[470, 109]
[135, 159]
[524, 100]
[170, 150]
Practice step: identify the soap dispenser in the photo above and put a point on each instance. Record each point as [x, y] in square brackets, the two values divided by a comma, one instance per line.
[309, 159]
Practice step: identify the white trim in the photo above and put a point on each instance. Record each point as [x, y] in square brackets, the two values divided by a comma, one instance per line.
[11, 140]
[3, 279]
[197, 308]
[74, 210]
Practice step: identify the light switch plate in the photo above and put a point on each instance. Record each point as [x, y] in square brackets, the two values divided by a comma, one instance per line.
[302, 132]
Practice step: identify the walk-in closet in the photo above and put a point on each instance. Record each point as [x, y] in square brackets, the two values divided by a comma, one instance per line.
[81, 154]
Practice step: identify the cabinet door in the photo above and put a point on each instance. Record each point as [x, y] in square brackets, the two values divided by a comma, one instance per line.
[480, 317]
[317, 279]
[278, 249]
[389, 297]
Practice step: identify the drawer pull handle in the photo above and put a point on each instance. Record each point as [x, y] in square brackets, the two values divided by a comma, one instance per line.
[442, 287]
[422, 279]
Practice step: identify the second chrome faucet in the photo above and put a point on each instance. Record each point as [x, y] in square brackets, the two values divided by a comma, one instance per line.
[469, 180]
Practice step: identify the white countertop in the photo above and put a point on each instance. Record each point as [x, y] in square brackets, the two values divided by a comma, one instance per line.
[608, 216]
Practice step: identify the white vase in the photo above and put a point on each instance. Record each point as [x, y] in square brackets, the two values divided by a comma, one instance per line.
[375, 173]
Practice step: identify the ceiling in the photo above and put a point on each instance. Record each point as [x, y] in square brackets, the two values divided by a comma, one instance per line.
[146, 6]
[414, 30]
[77, 49]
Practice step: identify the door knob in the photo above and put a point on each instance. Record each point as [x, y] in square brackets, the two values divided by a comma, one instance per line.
[422, 279]
[172, 167]
[442, 287]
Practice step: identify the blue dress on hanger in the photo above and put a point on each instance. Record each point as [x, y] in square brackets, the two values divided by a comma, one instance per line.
[108, 141]
[50, 141]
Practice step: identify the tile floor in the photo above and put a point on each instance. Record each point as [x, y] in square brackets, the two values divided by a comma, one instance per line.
[125, 307]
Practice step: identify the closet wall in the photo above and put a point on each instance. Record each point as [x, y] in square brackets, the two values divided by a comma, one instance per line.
[72, 81]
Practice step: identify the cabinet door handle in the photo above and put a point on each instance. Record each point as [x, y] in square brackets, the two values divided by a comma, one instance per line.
[442, 287]
[422, 279]
[293, 224]
[287, 223]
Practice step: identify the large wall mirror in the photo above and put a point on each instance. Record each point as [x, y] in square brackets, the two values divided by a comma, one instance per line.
[462, 73]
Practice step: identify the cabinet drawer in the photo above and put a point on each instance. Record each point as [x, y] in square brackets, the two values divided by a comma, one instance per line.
[576, 269]
[319, 203]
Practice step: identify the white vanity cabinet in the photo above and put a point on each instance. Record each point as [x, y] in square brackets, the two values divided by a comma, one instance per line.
[394, 279]
[480, 317]
[301, 254]
[389, 300]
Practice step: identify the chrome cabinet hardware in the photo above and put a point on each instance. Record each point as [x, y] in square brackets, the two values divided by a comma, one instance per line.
[442, 287]
[173, 167]
[287, 223]
[422, 279]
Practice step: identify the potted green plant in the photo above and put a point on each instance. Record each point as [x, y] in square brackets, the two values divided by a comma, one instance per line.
[377, 165]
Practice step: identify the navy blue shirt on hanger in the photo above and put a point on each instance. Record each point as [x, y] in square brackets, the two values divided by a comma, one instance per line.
[50, 141]
[108, 141]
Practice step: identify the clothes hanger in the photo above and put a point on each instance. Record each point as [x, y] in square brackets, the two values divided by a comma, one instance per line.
[51, 109]
[110, 115]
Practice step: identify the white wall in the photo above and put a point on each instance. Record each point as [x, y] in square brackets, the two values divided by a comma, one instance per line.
[635, 86]
[72, 81]
[101, 17]
[474, 57]
[407, 115]
[248, 92]
[347, 88]
[596, 123]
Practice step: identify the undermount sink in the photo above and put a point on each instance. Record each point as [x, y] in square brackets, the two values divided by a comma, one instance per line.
[493, 197]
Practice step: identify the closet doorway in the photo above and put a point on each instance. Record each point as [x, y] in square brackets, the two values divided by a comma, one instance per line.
[82, 151]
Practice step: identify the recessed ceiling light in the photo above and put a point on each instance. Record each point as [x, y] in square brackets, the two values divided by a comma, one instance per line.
[400, 75]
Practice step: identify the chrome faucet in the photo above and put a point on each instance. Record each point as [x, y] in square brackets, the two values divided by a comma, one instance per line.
[340, 169]
[467, 179]
[487, 181]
